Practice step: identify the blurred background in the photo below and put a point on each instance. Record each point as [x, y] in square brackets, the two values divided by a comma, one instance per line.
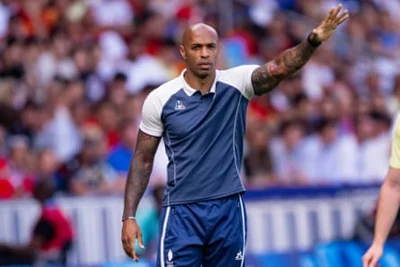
[73, 77]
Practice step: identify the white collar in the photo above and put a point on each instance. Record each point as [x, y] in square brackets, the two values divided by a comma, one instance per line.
[190, 90]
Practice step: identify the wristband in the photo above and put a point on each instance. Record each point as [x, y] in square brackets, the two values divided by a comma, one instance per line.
[128, 218]
[312, 43]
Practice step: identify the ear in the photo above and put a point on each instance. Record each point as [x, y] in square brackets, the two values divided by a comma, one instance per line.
[183, 52]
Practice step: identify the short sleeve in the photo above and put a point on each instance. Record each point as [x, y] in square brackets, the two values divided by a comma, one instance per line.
[395, 150]
[240, 78]
[151, 116]
[44, 229]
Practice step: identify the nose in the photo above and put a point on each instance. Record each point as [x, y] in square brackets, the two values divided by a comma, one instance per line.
[204, 53]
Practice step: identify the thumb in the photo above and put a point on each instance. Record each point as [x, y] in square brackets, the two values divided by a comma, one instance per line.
[140, 240]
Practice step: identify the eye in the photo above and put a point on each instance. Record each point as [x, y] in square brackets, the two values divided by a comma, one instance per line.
[196, 47]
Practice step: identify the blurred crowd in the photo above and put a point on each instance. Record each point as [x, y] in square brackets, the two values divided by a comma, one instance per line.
[74, 74]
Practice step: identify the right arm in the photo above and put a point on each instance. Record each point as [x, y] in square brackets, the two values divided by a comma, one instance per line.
[139, 172]
[388, 204]
[150, 131]
[138, 178]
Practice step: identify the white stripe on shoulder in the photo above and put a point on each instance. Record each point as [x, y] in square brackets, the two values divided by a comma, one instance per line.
[153, 106]
[239, 78]
[164, 92]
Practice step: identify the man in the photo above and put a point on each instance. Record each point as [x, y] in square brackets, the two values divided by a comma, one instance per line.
[201, 117]
[52, 234]
[388, 204]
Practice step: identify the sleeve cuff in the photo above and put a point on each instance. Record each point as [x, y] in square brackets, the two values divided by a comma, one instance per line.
[150, 131]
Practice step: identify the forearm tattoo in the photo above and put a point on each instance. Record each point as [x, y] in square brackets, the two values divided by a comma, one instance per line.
[266, 77]
[139, 171]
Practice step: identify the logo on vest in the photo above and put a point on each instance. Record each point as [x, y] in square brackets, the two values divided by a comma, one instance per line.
[239, 256]
[179, 105]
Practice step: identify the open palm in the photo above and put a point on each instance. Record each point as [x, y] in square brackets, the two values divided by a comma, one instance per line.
[328, 25]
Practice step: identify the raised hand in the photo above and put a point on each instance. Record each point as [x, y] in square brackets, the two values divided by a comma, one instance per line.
[328, 25]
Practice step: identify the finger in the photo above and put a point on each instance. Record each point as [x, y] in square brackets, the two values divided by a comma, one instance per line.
[133, 252]
[345, 15]
[129, 247]
[128, 250]
[337, 10]
[330, 14]
[140, 240]
[135, 257]
[365, 260]
[373, 262]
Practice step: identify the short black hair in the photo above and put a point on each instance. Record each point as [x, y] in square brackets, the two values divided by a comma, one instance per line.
[381, 117]
[324, 123]
[287, 124]
[44, 189]
[121, 77]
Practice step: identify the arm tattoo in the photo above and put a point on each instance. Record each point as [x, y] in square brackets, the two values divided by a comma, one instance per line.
[266, 77]
[139, 171]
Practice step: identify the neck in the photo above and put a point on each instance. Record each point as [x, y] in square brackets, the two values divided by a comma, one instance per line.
[203, 84]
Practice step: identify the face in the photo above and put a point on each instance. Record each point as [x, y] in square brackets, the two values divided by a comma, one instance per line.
[108, 117]
[47, 162]
[293, 136]
[94, 149]
[329, 134]
[200, 51]
[19, 153]
[364, 128]
[260, 137]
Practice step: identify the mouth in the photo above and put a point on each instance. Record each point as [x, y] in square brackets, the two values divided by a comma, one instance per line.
[205, 65]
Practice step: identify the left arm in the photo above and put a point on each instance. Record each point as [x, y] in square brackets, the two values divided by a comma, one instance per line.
[268, 76]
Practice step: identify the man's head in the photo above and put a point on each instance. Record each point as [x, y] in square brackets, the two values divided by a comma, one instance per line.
[327, 129]
[200, 49]
[44, 190]
[292, 132]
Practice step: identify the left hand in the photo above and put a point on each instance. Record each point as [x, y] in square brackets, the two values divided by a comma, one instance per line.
[329, 24]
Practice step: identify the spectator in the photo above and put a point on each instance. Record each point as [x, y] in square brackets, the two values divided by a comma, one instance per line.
[92, 175]
[377, 147]
[20, 165]
[336, 155]
[287, 153]
[108, 119]
[28, 122]
[117, 92]
[62, 125]
[120, 157]
[257, 161]
[52, 234]
[47, 166]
